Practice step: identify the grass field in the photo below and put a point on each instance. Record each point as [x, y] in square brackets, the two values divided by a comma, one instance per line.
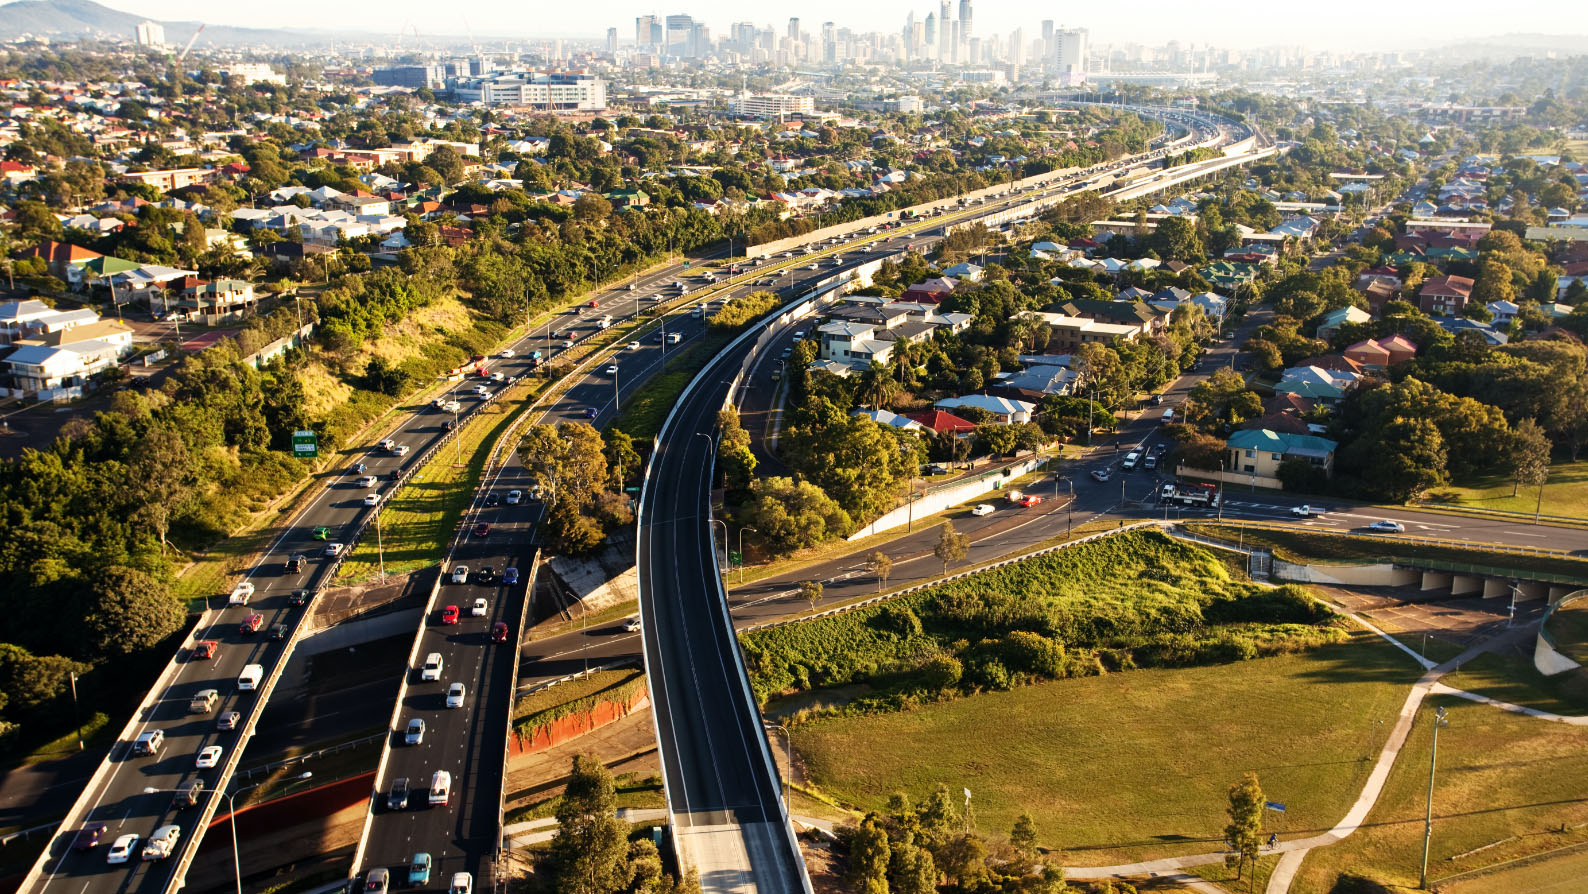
[1512, 678]
[1309, 546]
[1565, 494]
[572, 690]
[1131, 765]
[1506, 783]
[1569, 628]
[1562, 873]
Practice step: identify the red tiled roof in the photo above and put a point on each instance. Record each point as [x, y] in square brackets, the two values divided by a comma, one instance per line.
[942, 421]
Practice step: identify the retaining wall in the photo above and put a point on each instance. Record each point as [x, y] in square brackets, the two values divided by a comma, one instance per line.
[938, 500]
[575, 725]
[1375, 575]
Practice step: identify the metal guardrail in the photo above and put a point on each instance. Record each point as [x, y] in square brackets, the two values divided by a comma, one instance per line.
[251, 772]
[577, 675]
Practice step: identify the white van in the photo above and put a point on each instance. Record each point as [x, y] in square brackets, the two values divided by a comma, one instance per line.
[1168, 416]
[1131, 459]
[250, 677]
[440, 788]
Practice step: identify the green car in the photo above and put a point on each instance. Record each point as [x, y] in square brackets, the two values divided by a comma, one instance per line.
[322, 533]
[419, 869]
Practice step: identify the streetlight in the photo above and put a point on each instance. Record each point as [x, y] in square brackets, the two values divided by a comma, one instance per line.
[1069, 508]
[617, 393]
[1440, 720]
[788, 751]
[231, 808]
[717, 521]
[742, 529]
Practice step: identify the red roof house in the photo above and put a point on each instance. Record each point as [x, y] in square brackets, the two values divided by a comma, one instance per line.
[943, 422]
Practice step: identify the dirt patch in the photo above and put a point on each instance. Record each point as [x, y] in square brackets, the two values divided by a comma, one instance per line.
[337, 604]
[626, 746]
[1409, 613]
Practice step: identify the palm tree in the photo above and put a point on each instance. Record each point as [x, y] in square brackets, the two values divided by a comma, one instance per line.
[876, 386]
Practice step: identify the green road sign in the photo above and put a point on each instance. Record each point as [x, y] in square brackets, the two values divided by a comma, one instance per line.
[305, 444]
[735, 558]
[686, 265]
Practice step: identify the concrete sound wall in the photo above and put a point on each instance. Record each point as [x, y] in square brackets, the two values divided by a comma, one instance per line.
[1377, 575]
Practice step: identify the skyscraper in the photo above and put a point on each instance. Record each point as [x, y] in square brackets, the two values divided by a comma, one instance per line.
[945, 29]
[794, 29]
[1069, 57]
[612, 40]
[964, 21]
[931, 30]
[647, 32]
[680, 36]
[150, 34]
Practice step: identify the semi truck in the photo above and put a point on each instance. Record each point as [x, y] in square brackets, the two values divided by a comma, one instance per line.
[1193, 494]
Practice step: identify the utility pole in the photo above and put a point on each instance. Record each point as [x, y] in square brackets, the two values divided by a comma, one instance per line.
[1428, 818]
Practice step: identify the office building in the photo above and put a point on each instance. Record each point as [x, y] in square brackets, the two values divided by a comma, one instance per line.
[648, 32]
[411, 76]
[773, 105]
[680, 38]
[150, 34]
[612, 40]
[1069, 55]
[551, 91]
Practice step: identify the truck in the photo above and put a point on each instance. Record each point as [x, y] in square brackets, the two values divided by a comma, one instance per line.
[241, 594]
[1191, 494]
[605, 322]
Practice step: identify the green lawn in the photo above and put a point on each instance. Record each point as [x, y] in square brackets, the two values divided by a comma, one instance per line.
[1131, 765]
[1500, 776]
[1512, 678]
[1565, 494]
[1568, 626]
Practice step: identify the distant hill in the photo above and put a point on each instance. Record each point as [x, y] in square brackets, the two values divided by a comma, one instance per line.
[85, 18]
[1512, 45]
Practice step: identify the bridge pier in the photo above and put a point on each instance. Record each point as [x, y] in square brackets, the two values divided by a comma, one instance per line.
[1527, 591]
[1435, 580]
[1495, 587]
[1466, 584]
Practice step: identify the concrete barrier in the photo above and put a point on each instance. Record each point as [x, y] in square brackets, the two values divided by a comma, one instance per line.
[1381, 574]
[938, 500]
[1547, 658]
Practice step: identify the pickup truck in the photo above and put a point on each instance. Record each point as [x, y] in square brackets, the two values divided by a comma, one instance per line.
[295, 563]
[241, 594]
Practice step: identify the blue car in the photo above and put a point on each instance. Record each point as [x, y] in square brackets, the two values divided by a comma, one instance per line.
[509, 576]
[358, 469]
[419, 869]
[589, 412]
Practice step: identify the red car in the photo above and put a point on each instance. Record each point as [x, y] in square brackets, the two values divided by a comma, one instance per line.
[204, 650]
[499, 632]
[594, 303]
[482, 530]
[449, 615]
[252, 624]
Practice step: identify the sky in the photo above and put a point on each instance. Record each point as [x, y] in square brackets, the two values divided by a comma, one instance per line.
[1340, 24]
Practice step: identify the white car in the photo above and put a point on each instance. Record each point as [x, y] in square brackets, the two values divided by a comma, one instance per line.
[416, 732]
[481, 390]
[462, 883]
[121, 849]
[332, 550]
[478, 609]
[514, 497]
[372, 500]
[209, 757]
[632, 625]
[612, 370]
[460, 574]
[1387, 527]
[367, 481]
[451, 406]
[161, 844]
[634, 346]
[1100, 475]
[982, 509]
[506, 353]
[455, 695]
[432, 669]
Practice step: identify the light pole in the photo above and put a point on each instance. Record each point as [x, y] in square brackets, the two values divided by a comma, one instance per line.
[742, 529]
[231, 808]
[1069, 508]
[718, 521]
[617, 394]
[1428, 818]
[788, 752]
[380, 544]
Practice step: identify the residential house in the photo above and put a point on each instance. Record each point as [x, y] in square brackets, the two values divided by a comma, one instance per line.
[59, 257]
[1038, 381]
[1326, 386]
[66, 357]
[930, 291]
[18, 318]
[1330, 325]
[1003, 409]
[964, 271]
[1444, 295]
[1504, 312]
[944, 423]
[1137, 315]
[1376, 354]
[1260, 451]
[854, 344]
[887, 417]
[1378, 293]
[209, 302]
[1067, 333]
[1458, 325]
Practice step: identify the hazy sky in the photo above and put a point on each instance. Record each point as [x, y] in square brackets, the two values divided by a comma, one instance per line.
[1342, 24]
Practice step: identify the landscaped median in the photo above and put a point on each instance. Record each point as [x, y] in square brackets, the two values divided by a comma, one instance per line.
[572, 708]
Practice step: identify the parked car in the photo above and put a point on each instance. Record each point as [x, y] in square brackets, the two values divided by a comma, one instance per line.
[1387, 527]
[982, 509]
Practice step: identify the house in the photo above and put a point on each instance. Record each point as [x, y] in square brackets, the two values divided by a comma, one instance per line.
[887, 417]
[1038, 381]
[1003, 409]
[358, 205]
[1504, 312]
[855, 344]
[1377, 354]
[1379, 293]
[1261, 451]
[1066, 333]
[59, 257]
[210, 302]
[965, 271]
[67, 356]
[944, 423]
[1444, 295]
[1458, 325]
[1334, 319]
[627, 198]
[1311, 382]
[930, 291]
[1137, 315]
[16, 317]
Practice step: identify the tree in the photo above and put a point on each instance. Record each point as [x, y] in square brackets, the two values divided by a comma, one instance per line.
[1530, 453]
[792, 515]
[129, 610]
[1410, 459]
[590, 846]
[1244, 834]
[869, 856]
[27, 681]
[881, 566]
[952, 546]
[1176, 239]
[621, 456]
[811, 591]
[1024, 836]
[591, 207]
[572, 457]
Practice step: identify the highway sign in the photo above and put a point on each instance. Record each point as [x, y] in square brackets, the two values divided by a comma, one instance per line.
[305, 444]
[735, 558]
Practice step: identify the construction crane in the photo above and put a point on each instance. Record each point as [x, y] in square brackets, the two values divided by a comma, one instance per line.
[407, 25]
[473, 44]
[190, 41]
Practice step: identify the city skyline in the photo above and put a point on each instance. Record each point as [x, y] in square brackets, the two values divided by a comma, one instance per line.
[1354, 25]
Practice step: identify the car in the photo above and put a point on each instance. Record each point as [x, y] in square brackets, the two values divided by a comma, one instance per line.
[208, 757]
[251, 624]
[485, 575]
[612, 369]
[514, 497]
[567, 343]
[632, 625]
[506, 353]
[400, 450]
[498, 377]
[278, 631]
[419, 869]
[377, 881]
[478, 609]
[460, 574]
[204, 650]
[431, 672]
[367, 482]
[295, 563]
[121, 849]
[449, 425]
[203, 702]
[332, 550]
[1387, 527]
[372, 500]
[491, 499]
[455, 694]
[228, 721]
[499, 632]
[483, 529]
[481, 391]
[509, 576]
[593, 303]
[188, 794]
[322, 533]
[416, 732]
[634, 346]
[1101, 475]
[299, 597]
[241, 594]
[1030, 500]
[629, 287]
[1305, 511]
[87, 838]
[589, 412]
[449, 615]
[462, 883]
[358, 468]
[397, 795]
[982, 509]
